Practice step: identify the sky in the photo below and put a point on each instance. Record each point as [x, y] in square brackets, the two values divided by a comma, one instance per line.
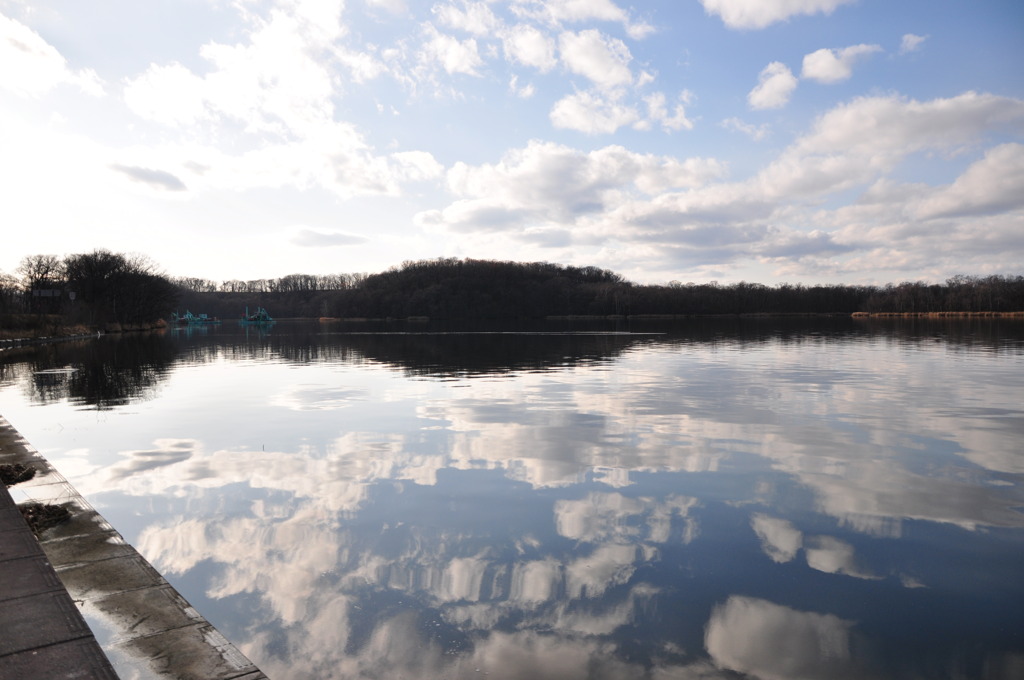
[813, 141]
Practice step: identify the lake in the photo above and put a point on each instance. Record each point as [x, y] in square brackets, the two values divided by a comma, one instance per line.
[763, 498]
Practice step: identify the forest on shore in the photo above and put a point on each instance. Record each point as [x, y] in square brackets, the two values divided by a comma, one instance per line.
[104, 290]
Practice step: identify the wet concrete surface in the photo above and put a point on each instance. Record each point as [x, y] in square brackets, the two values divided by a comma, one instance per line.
[88, 600]
[42, 632]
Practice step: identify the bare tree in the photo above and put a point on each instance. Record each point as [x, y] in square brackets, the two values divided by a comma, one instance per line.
[10, 292]
[41, 276]
[116, 287]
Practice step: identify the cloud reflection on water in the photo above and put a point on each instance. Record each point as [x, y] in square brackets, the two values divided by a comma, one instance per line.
[774, 642]
[538, 524]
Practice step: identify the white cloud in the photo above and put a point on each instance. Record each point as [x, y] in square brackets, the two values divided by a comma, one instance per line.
[640, 30]
[857, 141]
[474, 17]
[546, 182]
[396, 7]
[571, 10]
[362, 65]
[32, 67]
[893, 124]
[318, 19]
[602, 59]
[592, 113]
[775, 84]
[557, 12]
[414, 166]
[833, 65]
[454, 55]
[170, 95]
[278, 88]
[762, 13]
[911, 42]
[659, 113]
[755, 132]
[529, 46]
[525, 91]
[271, 83]
[553, 196]
[994, 184]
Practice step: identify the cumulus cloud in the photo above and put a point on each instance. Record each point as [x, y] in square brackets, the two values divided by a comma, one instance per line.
[171, 94]
[994, 184]
[473, 17]
[682, 212]
[414, 166]
[592, 113]
[272, 83]
[603, 112]
[762, 13]
[33, 67]
[396, 7]
[529, 46]
[911, 42]
[546, 183]
[452, 54]
[755, 132]
[658, 112]
[775, 84]
[600, 58]
[834, 65]
[524, 91]
[857, 141]
[274, 92]
[558, 12]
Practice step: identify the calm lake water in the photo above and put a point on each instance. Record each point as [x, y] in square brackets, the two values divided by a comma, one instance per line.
[751, 498]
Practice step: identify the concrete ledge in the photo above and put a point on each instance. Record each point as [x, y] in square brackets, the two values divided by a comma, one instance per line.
[42, 632]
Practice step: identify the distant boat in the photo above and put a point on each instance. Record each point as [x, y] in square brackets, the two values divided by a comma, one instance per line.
[260, 318]
[190, 319]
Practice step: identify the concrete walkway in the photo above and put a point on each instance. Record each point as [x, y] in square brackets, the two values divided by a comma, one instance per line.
[42, 633]
[82, 603]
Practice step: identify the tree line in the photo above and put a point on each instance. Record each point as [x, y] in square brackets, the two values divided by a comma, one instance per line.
[453, 288]
[102, 287]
